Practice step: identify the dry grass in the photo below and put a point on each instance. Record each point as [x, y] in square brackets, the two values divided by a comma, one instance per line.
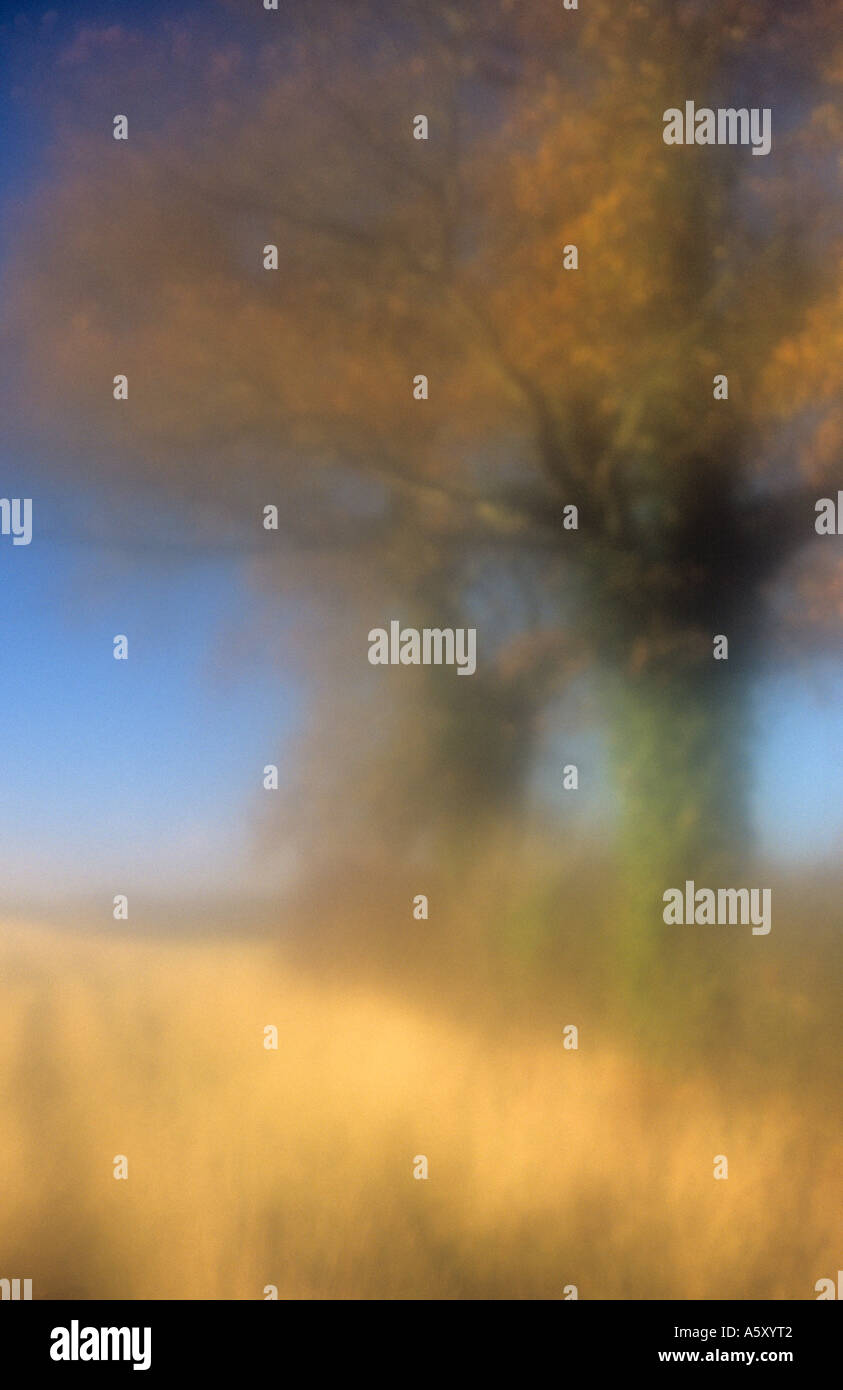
[250, 1167]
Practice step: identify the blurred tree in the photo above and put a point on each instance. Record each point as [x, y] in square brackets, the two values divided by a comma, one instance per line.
[549, 386]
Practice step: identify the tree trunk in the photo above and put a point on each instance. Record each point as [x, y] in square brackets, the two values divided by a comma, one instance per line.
[678, 745]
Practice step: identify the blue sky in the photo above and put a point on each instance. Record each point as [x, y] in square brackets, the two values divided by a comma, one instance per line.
[798, 792]
[144, 773]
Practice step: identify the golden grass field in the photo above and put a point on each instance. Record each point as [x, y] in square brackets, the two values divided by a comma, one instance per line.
[250, 1167]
